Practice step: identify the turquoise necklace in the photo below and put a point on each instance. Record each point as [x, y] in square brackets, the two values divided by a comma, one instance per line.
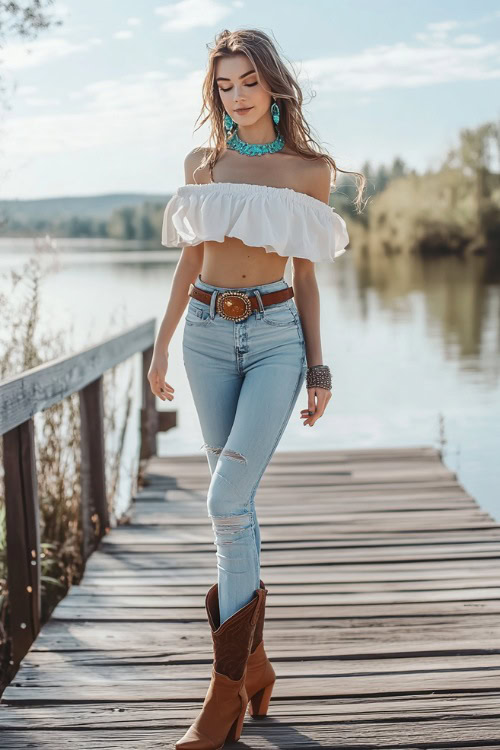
[255, 149]
[235, 143]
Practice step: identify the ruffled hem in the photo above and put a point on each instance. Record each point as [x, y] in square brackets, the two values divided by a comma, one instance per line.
[280, 220]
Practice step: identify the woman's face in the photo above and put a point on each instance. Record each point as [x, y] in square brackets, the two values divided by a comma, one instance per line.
[239, 88]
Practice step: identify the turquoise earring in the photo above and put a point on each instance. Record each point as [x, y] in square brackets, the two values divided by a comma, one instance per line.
[275, 113]
[228, 123]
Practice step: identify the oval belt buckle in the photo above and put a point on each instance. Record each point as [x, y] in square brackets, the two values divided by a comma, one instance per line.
[233, 305]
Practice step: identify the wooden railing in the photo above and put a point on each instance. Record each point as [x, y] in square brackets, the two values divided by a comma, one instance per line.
[33, 391]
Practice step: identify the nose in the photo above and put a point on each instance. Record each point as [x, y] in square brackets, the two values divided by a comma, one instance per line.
[238, 102]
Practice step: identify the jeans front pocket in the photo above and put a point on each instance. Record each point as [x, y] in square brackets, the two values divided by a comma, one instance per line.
[198, 314]
[280, 315]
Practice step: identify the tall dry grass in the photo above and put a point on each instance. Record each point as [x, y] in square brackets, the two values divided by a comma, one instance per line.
[57, 443]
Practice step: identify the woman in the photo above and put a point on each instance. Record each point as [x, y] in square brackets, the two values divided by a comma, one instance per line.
[247, 345]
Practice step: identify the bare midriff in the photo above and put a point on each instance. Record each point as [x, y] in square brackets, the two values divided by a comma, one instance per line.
[233, 264]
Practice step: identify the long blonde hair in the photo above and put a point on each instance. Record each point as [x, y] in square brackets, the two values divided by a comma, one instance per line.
[262, 53]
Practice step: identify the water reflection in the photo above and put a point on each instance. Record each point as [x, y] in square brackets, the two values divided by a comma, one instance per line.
[461, 300]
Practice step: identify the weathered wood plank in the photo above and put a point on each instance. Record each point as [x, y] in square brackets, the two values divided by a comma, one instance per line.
[22, 396]
[339, 649]
[337, 635]
[323, 612]
[40, 675]
[126, 715]
[111, 588]
[466, 733]
[413, 520]
[157, 601]
[164, 687]
[205, 558]
[307, 533]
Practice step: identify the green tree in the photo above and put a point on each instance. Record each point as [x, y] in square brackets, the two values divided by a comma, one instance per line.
[477, 156]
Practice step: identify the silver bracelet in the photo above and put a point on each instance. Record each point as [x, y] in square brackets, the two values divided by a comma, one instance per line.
[319, 376]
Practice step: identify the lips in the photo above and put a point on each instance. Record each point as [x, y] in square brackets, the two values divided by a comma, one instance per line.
[243, 110]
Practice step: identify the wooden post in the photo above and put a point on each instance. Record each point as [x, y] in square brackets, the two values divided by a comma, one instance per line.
[23, 537]
[149, 416]
[93, 476]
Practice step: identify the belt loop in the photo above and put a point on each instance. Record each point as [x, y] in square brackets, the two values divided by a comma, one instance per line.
[212, 303]
[259, 300]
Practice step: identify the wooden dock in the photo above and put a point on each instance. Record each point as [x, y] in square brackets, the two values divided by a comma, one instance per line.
[382, 618]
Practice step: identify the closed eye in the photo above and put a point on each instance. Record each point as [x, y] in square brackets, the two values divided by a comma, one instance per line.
[246, 84]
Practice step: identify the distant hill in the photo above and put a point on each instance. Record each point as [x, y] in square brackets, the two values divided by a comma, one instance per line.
[117, 215]
[85, 206]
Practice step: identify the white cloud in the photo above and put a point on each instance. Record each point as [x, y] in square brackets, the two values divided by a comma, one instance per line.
[467, 39]
[189, 14]
[19, 55]
[156, 75]
[442, 26]
[124, 34]
[403, 65]
[33, 101]
[134, 21]
[58, 11]
[112, 113]
[180, 62]
[26, 90]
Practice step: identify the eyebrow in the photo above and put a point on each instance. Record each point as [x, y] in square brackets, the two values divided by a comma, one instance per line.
[220, 78]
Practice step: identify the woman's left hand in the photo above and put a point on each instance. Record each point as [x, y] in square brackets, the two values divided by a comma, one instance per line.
[317, 399]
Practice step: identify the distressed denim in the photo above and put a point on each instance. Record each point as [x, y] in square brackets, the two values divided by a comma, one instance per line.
[245, 378]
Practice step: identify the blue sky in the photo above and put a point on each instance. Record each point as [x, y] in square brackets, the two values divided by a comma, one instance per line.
[108, 101]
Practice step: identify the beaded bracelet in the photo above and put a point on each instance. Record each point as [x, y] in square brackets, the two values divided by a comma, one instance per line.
[319, 376]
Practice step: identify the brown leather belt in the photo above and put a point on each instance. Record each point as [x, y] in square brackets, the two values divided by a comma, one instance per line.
[237, 305]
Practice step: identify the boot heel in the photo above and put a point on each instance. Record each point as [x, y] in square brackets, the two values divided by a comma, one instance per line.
[236, 727]
[259, 703]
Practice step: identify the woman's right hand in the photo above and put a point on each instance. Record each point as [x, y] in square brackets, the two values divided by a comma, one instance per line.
[156, 377]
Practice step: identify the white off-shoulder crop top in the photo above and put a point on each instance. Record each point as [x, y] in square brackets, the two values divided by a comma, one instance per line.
[281, 220]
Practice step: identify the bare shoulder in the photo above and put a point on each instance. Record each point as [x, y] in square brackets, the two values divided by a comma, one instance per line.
[316, 178]
[310, 175]
[192, 162]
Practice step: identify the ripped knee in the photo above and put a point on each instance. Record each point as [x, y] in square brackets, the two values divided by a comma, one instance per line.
[234, 454]
[211, 449]
[225, 526]
[224, 452]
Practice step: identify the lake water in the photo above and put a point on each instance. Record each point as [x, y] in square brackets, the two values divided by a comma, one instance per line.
[413, 347]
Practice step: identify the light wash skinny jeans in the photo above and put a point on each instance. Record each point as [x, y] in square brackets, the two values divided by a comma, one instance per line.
[245, 378]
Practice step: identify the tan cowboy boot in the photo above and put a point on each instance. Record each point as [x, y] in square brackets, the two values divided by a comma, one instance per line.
[223, 711]
[261, 676]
